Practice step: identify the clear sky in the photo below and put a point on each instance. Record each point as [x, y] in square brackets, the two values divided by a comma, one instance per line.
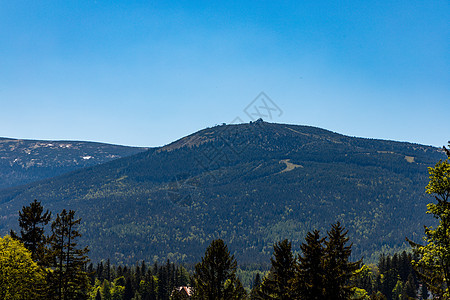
[148, 72]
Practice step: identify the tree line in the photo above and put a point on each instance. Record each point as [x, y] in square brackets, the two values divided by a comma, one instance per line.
[45, 266]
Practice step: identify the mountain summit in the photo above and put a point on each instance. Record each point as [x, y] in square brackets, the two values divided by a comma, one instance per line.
[249, 184]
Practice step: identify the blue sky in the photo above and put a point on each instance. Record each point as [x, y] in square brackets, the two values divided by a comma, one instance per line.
[146, 73]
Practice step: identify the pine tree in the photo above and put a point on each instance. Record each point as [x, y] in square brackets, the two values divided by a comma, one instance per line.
[339, 270]
[215, 276]
[309, 279]
[32, 220]
[277, 284]
[69, 280]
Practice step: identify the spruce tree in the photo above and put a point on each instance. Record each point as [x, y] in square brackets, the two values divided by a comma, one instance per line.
[68, 280]
[339, 270]
[32, 220]
[409, 288]
[309, 279]
[277, 284]
[215, 276]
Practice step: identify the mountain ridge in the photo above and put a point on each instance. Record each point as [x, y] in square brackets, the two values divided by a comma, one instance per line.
[227, 181]
[23, 161]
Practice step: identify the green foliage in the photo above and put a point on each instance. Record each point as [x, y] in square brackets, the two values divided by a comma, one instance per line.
[277, 284]
[20, 276]
[215, 276]
[339, 270]
[392, 278]
[433, 265]
[129, 212]
[32, 220]
[309, 279]
[68, 279]
[323, 269]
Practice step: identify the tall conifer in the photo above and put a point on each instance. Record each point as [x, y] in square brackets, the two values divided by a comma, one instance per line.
[277, 284]
[309, 279]
[32, 220]
[339, 270]
[215, 276]
[69, 280]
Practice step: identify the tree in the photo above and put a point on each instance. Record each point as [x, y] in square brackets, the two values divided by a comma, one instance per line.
[215, 276]
[106, 290]
[129, 292]
[68, 280]
[409, 289]
[32, 220]
[277, 284]
[447, 151]
[98, 296]
[308, 282]
[20, 276]
[433, 265]
[256, 285]
[339, 270]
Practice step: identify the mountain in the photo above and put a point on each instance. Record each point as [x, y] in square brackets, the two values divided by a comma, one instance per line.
[25, 161]
[250, 184]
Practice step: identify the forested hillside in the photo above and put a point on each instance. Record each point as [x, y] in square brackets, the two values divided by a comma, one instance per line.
[250, 185]
[25, 161]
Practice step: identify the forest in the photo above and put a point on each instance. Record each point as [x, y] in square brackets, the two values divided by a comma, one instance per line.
[228, 182]
[35, 264]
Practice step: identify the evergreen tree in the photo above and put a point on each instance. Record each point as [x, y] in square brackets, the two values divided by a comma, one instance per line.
[163, 286]
[339, 270]
[32, 220]
[69, 280]
[277, 284]
[108, 270]
[215, 276]
[129, 291]
[148, 287]
[255, 287]
[409, 289]
[309, 279]
[106, 290]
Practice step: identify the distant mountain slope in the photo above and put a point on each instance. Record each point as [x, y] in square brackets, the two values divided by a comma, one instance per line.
[250, 184]
[25, 161]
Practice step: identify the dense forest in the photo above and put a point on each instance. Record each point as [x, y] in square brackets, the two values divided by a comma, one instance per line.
[36, 265]
[251, 185]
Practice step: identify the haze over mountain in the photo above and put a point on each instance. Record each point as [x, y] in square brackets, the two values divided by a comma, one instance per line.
[25, 161]
[249, 184]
